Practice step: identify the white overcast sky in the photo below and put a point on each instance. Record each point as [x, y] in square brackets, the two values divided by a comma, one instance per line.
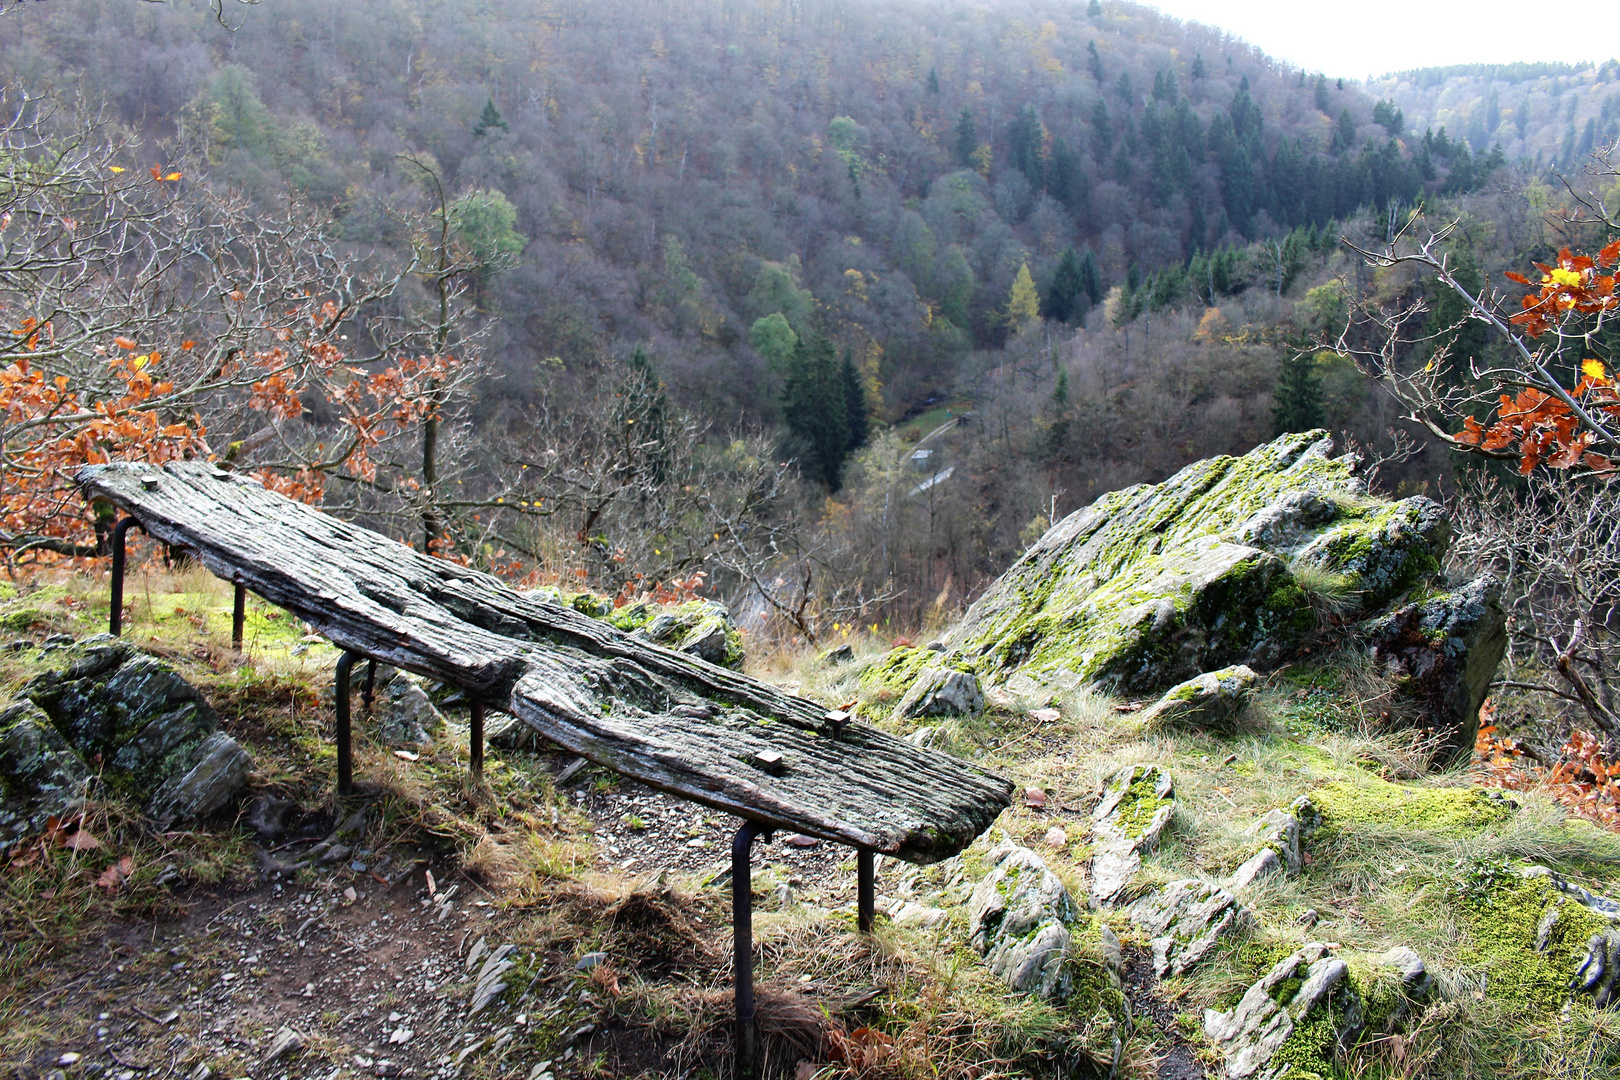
[1360, 38]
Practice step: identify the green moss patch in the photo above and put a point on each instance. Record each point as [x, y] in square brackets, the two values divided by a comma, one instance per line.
[1502, 927]
[1378, 802]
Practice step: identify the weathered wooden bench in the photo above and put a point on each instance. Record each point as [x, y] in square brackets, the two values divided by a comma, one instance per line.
[668, 720]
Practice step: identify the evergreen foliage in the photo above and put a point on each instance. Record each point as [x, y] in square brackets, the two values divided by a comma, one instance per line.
[1298, 396]
[815, 413]
[490, 120]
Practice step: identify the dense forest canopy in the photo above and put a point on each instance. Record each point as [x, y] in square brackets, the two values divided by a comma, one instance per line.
[673, 173]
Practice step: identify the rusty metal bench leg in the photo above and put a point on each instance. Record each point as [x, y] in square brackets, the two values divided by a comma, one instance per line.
[742, 949]
[345, 746]
[115, 618]
[475, 739]
[238, 615]
[865, 890]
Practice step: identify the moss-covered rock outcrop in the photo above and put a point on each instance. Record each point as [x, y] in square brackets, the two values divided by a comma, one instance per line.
[1231, 561]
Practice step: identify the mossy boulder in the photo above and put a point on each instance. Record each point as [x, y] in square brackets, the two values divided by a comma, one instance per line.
[700, 628]
[1232, 560]
[107, 713]
[1213, 699]
[1034, 936]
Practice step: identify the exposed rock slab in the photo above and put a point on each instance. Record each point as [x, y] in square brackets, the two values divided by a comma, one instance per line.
[1184, 922]
[1300, 987]
[153, 734]
[942, 692]
[1019, 918]
[1212, 700]
[1137, 804]
[409, 717]
[1446, 649]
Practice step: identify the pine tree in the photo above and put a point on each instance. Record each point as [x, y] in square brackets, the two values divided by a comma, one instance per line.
[1094, 62]
[1199, 69]
[857, 409]
[1066, 299]
[1025, 147]
[933, 81]
[643, 413]
[1298, 396]
[1460, 338]
[967, 138]
[1057, 436]
[1094, 11]
[1091, 277]
[1023, 303]
[489, 120]
[814, 412]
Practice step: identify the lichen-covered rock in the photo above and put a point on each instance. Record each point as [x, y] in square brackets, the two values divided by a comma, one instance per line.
[217, 775]
[1302, 990]
[1033, 935]
[40, 775]
[1445, 650]
[700, 628]
[1221, 564]
[409, 717]
[1137, 804]
[1019, 918]
[1213, 699]
[1262, 864]
[146, 727]
[942, 691]
[1185, 920]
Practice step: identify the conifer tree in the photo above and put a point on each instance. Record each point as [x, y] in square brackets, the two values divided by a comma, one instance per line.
[933, 81]
[856, 407]
[1066, 299]
[967, 138]
[1091, 277]
[1298, 396]
[1023, 303]
[1094, 62]
[1094, 11]
[814, 413]
[490, 120]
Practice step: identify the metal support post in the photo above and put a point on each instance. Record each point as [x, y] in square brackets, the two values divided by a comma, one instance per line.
[369, 694]
[742, 949]
[865, 890]
[238, 616]
[115, 618]
[475, 738]
[345, 747]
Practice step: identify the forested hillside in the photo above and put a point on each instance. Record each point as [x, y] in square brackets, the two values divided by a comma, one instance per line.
[1546, 114]
[670, 174]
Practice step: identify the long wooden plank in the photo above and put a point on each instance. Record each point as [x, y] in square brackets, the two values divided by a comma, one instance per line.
[667, 719]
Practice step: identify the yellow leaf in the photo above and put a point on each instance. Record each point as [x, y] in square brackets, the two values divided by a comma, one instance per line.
[139, 362]
[116, 168]
[172, 176]
[1593, 369]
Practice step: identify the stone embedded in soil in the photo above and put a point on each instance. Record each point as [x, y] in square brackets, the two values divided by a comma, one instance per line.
[1137, 804]
[408, 717]
[843, 654]
[1212, 700]
[941, 691]
[154, 735]
[1300, 987]
[1019, 919]
[1184, 921]
[286, 1042]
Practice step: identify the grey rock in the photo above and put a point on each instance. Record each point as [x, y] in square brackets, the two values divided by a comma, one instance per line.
[1019, 918]
[591, 960]
[1251, 1034]
[942, 691]
[1280, 830]
[42, 776]
[286, 1042]
[1137, 804]
[105, 700]
[1445, 651]
[1408, 966]
[1232, 561]
[407, 716]
[1213, 699]
[217, 776]
[1185, 920]
[843, 654]
[1261, 864]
